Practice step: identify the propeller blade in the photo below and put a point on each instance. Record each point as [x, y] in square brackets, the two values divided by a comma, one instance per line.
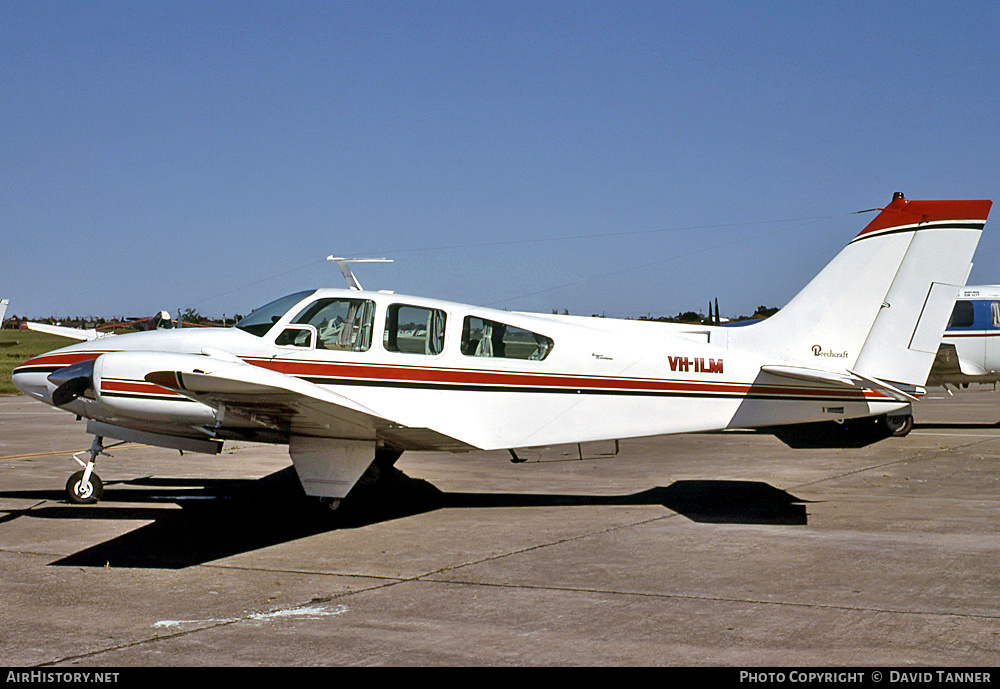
[70, 390]
[72, 381]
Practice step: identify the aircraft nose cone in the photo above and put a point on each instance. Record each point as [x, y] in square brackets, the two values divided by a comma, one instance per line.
[30, 376]
[20, 380]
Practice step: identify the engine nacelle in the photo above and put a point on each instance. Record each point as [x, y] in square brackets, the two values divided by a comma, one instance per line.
[119, 386]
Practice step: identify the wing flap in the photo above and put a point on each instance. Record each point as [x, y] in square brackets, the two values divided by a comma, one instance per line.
[949, 367]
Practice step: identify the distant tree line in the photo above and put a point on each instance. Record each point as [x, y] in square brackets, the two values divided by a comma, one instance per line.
[698, 317]
[189, 316]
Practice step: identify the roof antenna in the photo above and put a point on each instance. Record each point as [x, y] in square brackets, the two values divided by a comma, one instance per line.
[352, 282]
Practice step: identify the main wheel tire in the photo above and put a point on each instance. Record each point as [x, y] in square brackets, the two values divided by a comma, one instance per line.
[899, 425]
[84, 494]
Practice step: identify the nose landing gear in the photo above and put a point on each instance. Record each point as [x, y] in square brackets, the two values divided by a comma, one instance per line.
[85, 487]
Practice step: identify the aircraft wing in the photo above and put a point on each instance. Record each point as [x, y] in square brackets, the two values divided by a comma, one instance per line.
[63, 331]
[250, 396]
[949, 366]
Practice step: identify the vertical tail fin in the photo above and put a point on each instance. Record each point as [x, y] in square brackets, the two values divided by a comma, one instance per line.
[881, 306]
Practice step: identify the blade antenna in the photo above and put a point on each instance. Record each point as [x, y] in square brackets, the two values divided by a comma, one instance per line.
[342, 263]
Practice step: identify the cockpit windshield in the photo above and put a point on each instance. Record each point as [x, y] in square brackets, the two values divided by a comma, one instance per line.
[261, 320]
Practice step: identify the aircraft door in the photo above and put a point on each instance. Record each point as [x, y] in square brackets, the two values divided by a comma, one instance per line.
[966, 329]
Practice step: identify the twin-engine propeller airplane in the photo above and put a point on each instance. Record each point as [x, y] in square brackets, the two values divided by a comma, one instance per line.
[970, 350]
[351, 378]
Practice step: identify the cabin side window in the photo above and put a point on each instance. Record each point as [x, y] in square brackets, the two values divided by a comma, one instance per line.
[341, 324]
[962, 316]
[481, 337]
[995, 313]
[414, 329]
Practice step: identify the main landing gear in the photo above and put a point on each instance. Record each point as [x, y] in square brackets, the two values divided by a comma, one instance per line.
[85, 487]
[899, 425]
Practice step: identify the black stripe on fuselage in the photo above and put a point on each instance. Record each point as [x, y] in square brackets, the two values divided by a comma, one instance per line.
[459, 387]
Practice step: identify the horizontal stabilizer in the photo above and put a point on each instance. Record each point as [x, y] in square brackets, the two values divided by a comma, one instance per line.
[811, 375]
[853, 380]
[885, 387]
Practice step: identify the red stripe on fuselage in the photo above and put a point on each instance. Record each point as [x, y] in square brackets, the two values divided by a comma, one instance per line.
[376, 374]
[64, 359]
[981, 333]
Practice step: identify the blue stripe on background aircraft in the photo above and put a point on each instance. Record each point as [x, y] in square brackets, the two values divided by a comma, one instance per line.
[351, 378]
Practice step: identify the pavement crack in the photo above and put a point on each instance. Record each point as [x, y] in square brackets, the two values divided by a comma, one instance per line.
[917, 456]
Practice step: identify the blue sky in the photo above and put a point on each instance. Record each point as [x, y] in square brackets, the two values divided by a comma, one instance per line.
[620, 158]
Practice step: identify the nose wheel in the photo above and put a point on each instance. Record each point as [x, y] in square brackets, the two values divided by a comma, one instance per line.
[85, 487]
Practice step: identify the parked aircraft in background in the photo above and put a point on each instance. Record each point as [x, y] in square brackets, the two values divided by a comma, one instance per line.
[970, 348]
[3, 311]
[351, 378]
[161, 321]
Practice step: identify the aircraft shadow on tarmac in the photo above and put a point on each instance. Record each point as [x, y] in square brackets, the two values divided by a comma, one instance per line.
[220, 518]
[956, 425]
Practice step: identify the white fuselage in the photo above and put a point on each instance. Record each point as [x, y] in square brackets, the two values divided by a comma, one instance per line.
[594, 378]
[974, 331]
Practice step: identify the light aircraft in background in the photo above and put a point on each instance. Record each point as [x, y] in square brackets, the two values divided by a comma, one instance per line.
[3, 311]
[351, 378]
[159, 321]
[970, 348]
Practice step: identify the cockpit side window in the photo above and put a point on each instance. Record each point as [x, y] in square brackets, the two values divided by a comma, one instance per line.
[341, 324]
[481, 337]
[963, 315]
[414, 329]
[261, 320]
